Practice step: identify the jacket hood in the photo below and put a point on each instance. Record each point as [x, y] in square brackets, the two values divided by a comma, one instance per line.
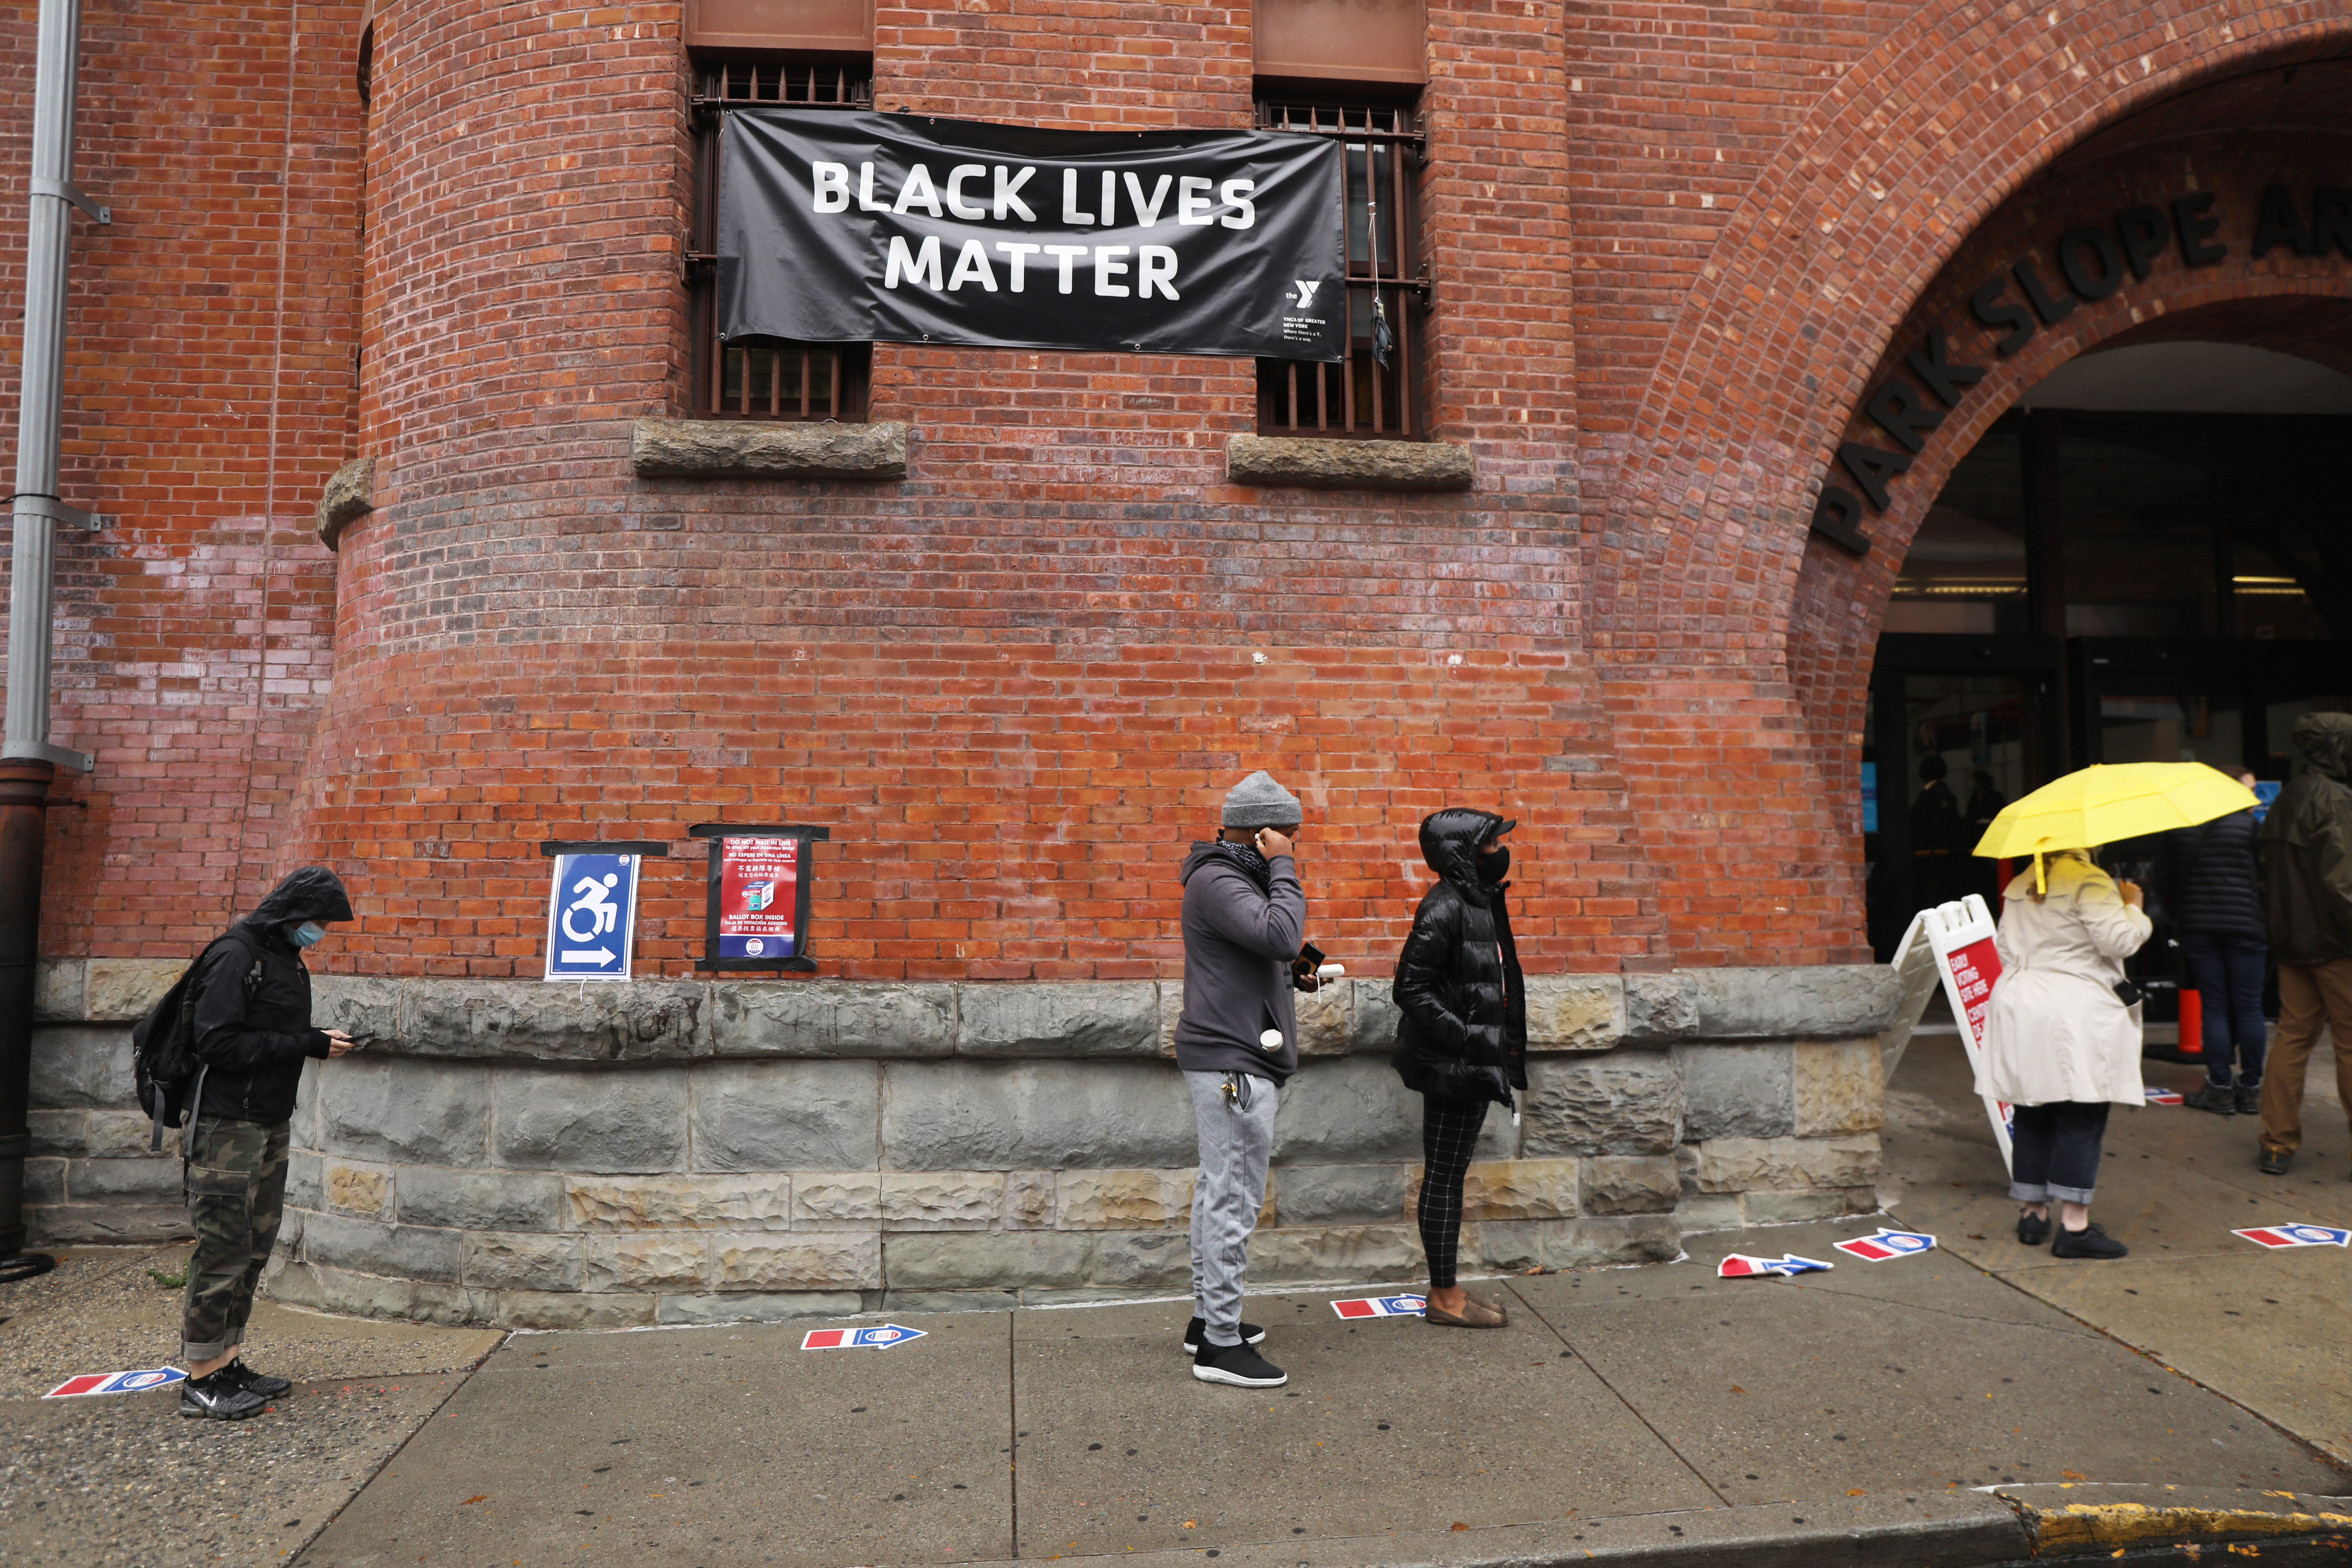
[1450, 842]
[2326, 740]
[309, 893]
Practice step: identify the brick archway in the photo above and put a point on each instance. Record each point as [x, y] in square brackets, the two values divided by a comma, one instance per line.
[1714, 659]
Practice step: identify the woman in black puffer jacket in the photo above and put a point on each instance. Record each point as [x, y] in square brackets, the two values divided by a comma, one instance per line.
[1464, 1040]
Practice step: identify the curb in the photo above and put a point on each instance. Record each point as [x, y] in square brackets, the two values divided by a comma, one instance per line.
[2080, 1519]
[2079, 1523]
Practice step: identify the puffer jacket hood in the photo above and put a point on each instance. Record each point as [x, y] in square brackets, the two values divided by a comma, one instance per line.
[309, 893]
[1450, 842]
[2326, 740]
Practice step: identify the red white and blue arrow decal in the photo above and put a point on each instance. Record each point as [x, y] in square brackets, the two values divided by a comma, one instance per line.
[1739, 1265]
[881, 1338]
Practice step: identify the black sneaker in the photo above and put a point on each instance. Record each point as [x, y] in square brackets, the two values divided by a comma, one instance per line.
[1250, 1335]
[215, 1398]
[2250, 1099]
[1237, 1364]
[253, 1382]
[2275, 1162]
[2032, 1231]
[2215, 1097]
[2088, 1242]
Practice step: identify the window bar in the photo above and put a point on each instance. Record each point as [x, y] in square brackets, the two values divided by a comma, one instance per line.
[775, 384]
[833, 359]
[1322, 396]
[1290, 403]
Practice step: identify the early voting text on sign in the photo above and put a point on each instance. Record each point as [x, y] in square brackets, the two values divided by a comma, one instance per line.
[856, 227]
[592, 916]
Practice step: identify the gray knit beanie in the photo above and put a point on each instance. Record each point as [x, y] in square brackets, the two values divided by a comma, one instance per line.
[1259, 802]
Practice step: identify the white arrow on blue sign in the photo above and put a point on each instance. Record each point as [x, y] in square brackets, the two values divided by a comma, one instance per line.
[592, 916]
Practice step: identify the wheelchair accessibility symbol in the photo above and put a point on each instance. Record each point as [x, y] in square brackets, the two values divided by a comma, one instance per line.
[592, 916]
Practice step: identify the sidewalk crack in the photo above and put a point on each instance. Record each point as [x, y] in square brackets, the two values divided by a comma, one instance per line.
[1663, 1441]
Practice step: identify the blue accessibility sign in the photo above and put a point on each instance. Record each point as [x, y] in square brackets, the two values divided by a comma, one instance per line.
[592, 916]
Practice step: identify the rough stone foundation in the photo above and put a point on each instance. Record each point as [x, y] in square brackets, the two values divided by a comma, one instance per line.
[681, 1152]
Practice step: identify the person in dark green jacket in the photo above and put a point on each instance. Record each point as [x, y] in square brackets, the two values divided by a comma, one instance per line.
[2306, 870]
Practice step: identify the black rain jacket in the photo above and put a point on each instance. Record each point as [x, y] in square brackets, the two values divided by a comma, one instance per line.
[2307, 848]
[2210, 884]
[1459, 977]
[252, 997]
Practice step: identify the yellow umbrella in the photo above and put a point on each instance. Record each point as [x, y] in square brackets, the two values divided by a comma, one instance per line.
[2102, 804]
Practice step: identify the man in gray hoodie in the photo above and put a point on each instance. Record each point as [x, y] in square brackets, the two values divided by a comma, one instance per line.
[1237, 1040]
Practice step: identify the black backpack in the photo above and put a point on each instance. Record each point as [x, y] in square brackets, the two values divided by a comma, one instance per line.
[163, 1049]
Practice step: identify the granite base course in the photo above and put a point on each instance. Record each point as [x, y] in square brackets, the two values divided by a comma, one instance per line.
[688, 1151]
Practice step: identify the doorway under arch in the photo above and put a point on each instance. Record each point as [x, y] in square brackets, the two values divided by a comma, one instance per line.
[2147, 557]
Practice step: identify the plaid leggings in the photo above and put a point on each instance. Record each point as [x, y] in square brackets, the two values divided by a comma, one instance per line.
[1449, 1135]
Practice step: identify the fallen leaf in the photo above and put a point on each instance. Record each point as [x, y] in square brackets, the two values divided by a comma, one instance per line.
[2074, 1475]
[474, 1498]
[1459, 1525]
[1191, 1522]
[1857, 1492]
[1737, 1389]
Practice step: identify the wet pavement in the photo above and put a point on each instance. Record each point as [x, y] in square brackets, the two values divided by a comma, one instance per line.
[2267, 1329]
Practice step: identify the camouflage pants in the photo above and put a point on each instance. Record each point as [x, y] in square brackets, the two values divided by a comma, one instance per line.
[236, 1193]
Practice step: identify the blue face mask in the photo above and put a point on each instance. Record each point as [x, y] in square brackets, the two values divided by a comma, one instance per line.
[307, 933]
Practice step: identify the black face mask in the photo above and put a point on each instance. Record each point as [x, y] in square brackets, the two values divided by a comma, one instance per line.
[1494, 868]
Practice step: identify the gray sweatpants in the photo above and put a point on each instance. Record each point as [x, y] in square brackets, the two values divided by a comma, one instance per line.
[1236, 1141]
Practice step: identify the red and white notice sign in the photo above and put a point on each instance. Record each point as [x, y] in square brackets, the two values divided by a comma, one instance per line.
[1960, 937]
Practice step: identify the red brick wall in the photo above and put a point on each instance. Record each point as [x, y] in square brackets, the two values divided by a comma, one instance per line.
[1019, 681]
[209, 390]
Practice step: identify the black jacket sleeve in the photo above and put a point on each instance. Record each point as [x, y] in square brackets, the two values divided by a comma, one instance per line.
[222, 1040]
[1421, 969]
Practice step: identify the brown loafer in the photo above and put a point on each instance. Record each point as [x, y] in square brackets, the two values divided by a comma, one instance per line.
[1476, 1314]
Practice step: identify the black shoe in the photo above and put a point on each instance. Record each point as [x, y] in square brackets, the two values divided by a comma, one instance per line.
[1250, 1335]
[2250, 1099]
[2088, 1242]
[2275, 1162]
[2032, 1231]
[2215, 1097]
[215, 1398]
[252, 1382]
[1237, 1364]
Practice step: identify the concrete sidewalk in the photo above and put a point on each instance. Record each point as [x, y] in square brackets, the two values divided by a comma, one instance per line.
[1659, 1414]
[1876, 1393]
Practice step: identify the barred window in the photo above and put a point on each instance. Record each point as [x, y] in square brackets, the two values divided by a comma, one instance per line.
[1375, 390]
[764, 378]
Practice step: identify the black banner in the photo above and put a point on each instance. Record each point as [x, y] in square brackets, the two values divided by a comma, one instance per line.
[838, 227]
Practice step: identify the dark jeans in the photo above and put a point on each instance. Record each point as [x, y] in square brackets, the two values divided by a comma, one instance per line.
[2054, 1149]
[2227, 973]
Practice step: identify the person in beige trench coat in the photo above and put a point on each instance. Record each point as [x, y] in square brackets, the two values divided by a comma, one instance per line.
[2061, 1047]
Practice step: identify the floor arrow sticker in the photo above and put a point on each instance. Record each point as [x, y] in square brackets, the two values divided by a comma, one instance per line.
[878, 1339]
[1887, 1243]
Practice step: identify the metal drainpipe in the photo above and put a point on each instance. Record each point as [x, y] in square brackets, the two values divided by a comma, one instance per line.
[27, 759]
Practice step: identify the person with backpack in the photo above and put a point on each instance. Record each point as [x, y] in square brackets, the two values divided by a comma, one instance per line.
[1462, 1042]
[245, 1007]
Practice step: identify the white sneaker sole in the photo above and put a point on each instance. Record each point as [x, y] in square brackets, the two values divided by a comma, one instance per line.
[1234, 1379]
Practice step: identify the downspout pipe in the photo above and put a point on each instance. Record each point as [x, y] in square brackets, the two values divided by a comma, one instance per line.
[28, 759]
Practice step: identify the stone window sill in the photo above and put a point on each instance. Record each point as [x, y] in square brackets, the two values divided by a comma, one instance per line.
[745, 449]
[1317, 463]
